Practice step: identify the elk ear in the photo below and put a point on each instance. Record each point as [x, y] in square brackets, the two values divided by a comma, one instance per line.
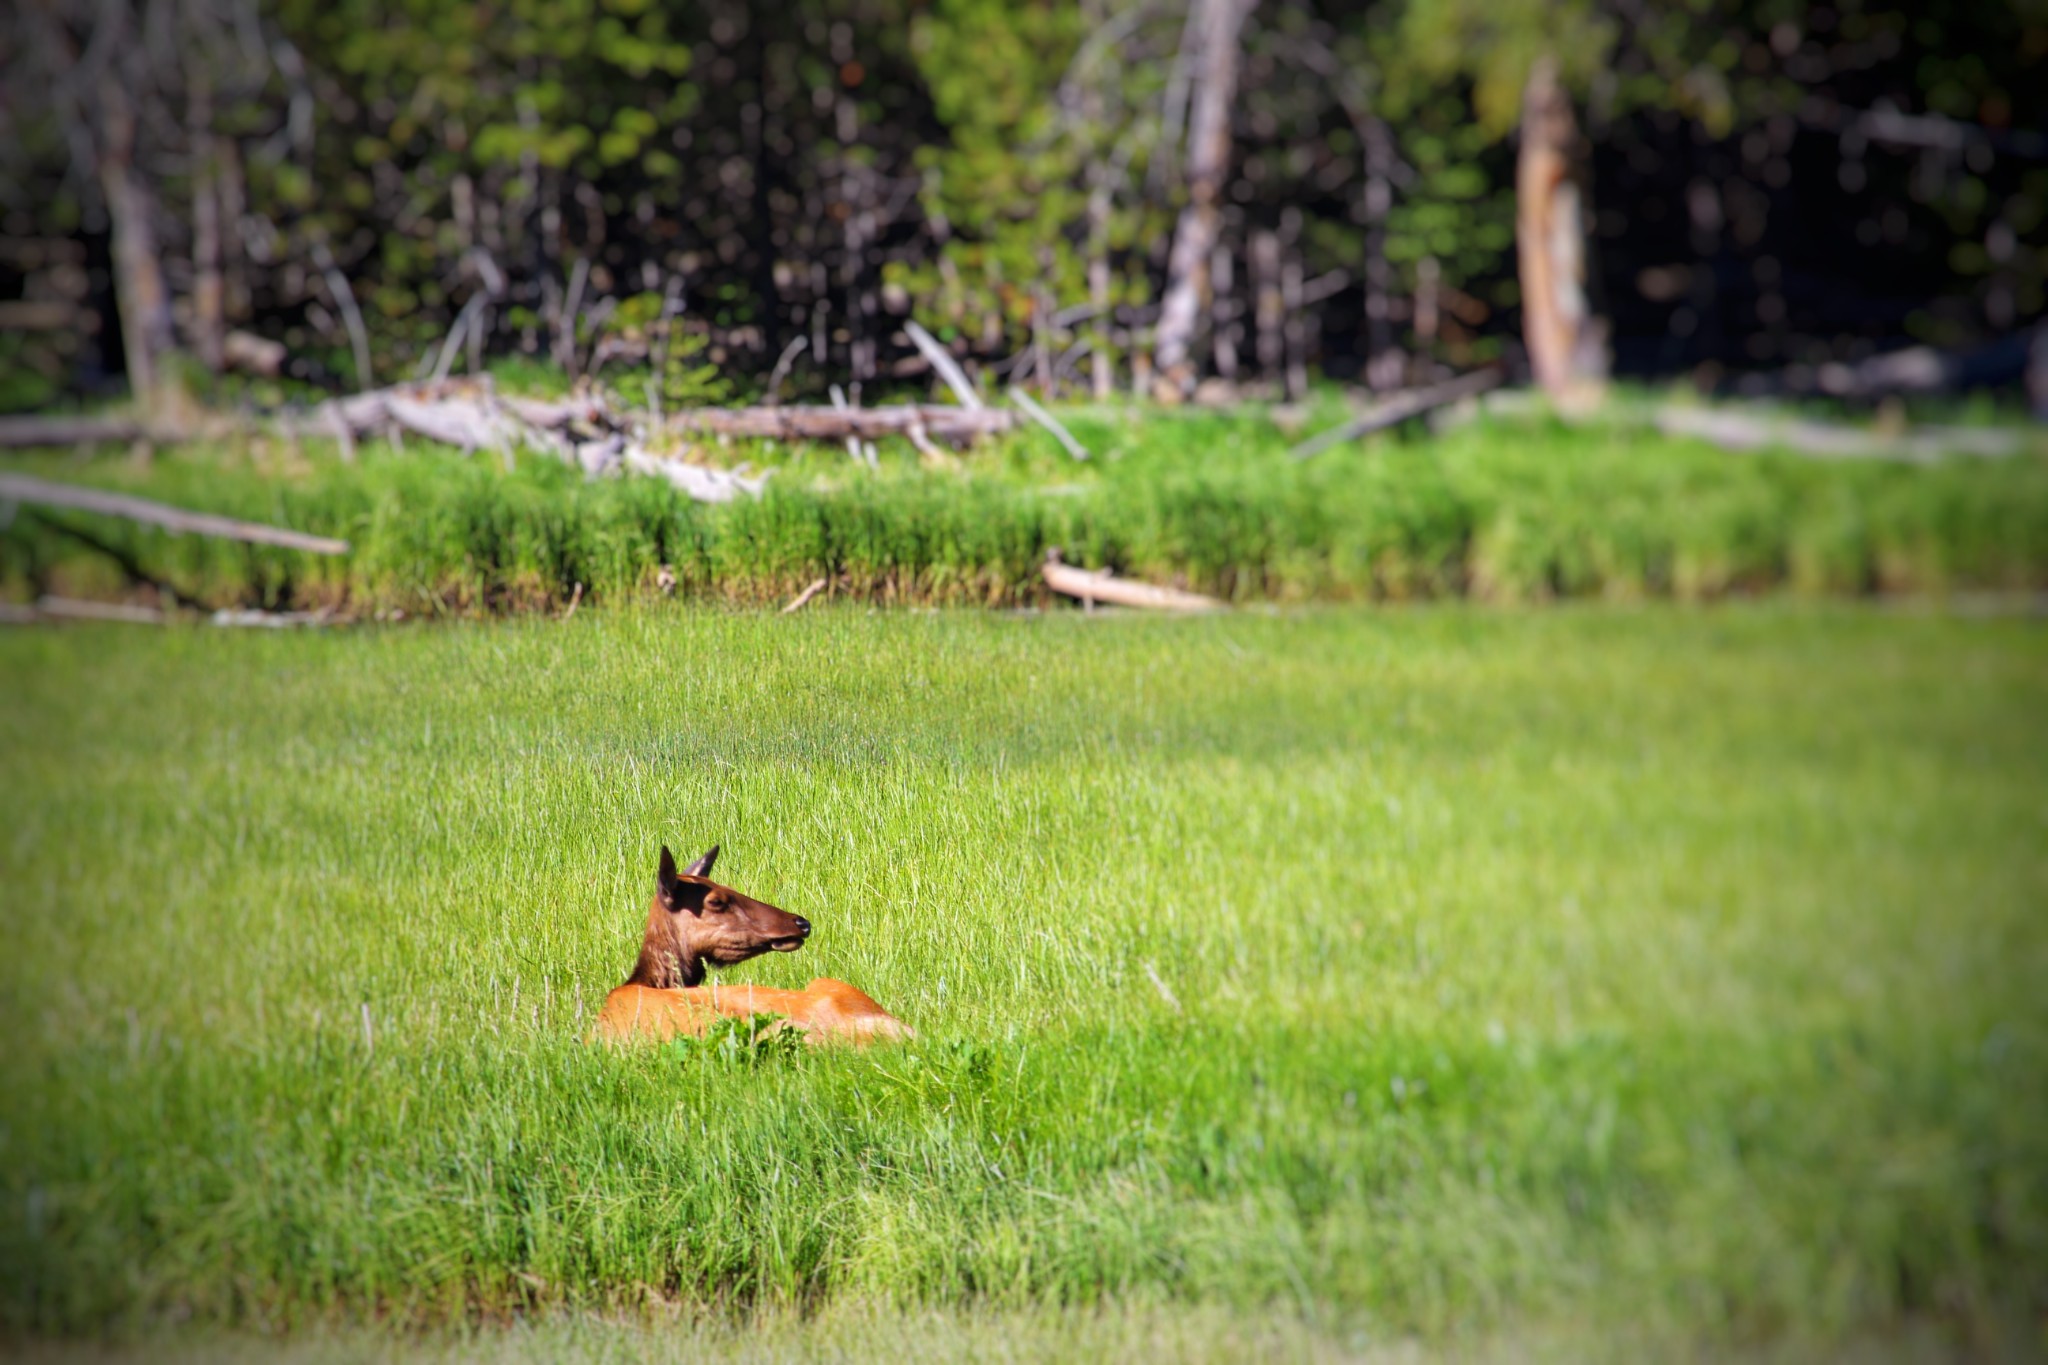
[674, 893]
[702, 867]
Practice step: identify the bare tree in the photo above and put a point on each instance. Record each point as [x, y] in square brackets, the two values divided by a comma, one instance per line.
[1219, 24]
[1565, 345]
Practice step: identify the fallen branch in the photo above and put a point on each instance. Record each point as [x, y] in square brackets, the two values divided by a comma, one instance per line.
[959, 426]
[1103, 586]
[853, 446]
[465, 423]
[1743, 431]
[351, 316]
[804, 597]
[465, 321]
[178, 521]
[782, 367]
[66, 431]
[73, 609]
[269, 620]
[130, 567]
[1399, 408]
[697, 481]
[948, 368]
[1049, 422]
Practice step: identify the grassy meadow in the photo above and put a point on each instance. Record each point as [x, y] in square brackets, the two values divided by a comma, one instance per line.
[1378, 975]
[1503, 509]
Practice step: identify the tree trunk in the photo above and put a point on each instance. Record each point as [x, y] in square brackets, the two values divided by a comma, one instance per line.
[144, 303]
[1268, 310]
[1383, 364]
[1294, 330]
[1222, 313]
[209, 292]
[754, 120]
[1565, 347]
[1101, 377]
[1208, 162]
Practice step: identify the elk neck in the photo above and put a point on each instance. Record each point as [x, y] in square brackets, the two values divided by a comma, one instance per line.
[666, 961]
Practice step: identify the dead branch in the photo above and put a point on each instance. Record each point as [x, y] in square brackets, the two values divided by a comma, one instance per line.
[465, 322]
[464, 422]
[228, 617]
[1398, 408]
[1103, 586]
[65, 431]
[1735, 430]
[960, 426]
[948, 368]
[178, 521]
[783, 363]
[697, 481]
[73, 609]
[839, 404]
[122, 559]
[1049, 422]
[351, 316]
[803, 598]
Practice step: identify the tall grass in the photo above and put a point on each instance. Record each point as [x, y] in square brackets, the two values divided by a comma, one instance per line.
[1428, 968]
[1507, 512]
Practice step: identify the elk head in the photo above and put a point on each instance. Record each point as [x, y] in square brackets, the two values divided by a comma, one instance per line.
[694, 921]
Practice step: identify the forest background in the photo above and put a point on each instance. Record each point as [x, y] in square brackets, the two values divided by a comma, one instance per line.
[1773, 192]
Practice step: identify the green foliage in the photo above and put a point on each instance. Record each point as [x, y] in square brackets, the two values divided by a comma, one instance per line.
[1507, 512]
[1493, 46]
[739, 1042]
[688, 378]
[1420, 969]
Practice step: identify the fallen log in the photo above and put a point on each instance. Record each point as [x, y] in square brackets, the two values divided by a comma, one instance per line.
[960, 426]
[698, 481]
[1745, 431]
[178, 521]
[465, 423]
[1103, 586]
[1399, 408]
[69, 431]
[269, 620]
[74, 609]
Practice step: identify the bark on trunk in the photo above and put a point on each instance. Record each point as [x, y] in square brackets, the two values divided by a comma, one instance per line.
[1222, 313]
[1383, 364]
[1208, 162]
[209, 291]
[1294, 329]
[1101, 379]
[1268, 311]
[1564, 345]
[144, 303]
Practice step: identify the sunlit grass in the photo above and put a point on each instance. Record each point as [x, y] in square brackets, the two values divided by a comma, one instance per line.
[1505, 511]
[1421, 969]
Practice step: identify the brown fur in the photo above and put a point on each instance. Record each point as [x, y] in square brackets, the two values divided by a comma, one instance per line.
[694, 922]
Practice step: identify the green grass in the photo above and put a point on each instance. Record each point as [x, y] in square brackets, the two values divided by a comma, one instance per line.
[1677, 969]
[1505, 511]
[1112, 1333]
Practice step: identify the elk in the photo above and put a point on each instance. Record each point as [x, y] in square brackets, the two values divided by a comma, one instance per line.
[694, 922]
